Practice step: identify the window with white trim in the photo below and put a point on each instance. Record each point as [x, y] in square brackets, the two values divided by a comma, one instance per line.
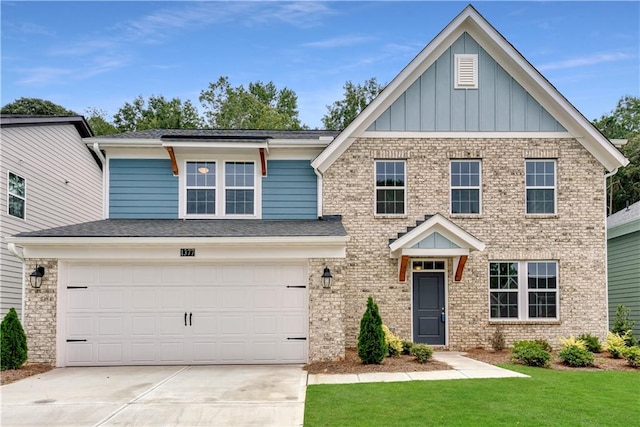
[465, 186]
[17, 195]
[239, 188]
[540, 186]
[390, 187]
[523, 290]
[201, 188]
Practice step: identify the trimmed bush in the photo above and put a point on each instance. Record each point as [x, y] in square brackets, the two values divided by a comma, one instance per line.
[422, 352]
[592, 342]
[632, 354]
[371, 346]
[497, 340]
[544, 344]
[573, 342]
[13, 342]
[531, 353]
[406, 347]
[394, 344]
[615, 345]
[576, 356]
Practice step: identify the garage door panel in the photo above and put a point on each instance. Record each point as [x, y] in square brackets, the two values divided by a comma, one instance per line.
[236, 314]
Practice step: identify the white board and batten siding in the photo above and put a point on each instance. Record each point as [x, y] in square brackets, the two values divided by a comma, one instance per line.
[187, 313]
[63, 187]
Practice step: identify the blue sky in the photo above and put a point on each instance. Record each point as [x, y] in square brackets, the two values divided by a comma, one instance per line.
[103, 54]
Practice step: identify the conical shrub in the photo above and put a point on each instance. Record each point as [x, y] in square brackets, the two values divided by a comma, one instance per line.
[13, 342]
[371, 345]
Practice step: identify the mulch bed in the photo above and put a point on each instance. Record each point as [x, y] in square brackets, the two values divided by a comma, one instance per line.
[27, 370]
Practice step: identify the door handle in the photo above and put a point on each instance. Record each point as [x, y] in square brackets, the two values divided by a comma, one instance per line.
[185, 318]
[442, 316]
[190, 315]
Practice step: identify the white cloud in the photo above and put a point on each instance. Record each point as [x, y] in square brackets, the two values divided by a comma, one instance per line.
[586, 60]
[339, 42]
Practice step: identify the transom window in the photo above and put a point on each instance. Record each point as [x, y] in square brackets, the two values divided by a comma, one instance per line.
[428, 265]
[390, 188]
[540, 186]
[201, 188]
[17, 195]
[509, 297]
[465, 186]
[239, 188]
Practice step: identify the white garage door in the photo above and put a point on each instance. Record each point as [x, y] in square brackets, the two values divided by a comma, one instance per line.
[185, 314]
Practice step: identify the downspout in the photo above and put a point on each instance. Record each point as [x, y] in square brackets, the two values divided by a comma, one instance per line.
[96, 149]
[319, 191]
[19, 252]
[606, 242]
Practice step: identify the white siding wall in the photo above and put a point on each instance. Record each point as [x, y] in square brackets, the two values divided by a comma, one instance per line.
[63, 186]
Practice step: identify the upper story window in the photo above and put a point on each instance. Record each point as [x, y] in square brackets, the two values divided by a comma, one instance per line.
[17, 195]
[390, 188]
[220, 188]
[465, 186]
[540, 186]
[523, 290]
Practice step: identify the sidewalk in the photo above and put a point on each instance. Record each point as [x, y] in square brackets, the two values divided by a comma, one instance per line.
[462, 368]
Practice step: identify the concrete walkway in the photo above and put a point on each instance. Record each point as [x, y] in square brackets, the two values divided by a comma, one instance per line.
[463, 368]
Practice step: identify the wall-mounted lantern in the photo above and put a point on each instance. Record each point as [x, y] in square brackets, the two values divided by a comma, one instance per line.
[327, 278]
[35, 278]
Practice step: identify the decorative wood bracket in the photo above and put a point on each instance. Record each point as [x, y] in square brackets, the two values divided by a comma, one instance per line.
[263, 162]
[460, 268]
[404, 261]
[174, 164]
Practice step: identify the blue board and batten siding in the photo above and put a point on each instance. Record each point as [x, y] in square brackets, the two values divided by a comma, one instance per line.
[290, 190]
[142, 188]
[500, 104]
[146, 188]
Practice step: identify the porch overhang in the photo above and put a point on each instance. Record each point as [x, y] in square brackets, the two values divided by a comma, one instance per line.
[436, 236]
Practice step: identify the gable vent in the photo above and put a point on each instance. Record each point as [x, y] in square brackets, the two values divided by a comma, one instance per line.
[466, 71]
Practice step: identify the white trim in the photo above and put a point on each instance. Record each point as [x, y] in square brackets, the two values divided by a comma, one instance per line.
[24, 199]
[467, 187]
[319, 186]
[464, 135]
[418, 252]
[175, 241]
[137, 153]
[470, 21]
[542, 187]
[376, 188]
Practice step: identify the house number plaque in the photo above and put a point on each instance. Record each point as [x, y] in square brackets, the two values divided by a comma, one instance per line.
[188, 252]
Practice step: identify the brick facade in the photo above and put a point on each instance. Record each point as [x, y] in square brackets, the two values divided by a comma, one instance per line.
[40, 314]
[574, 237]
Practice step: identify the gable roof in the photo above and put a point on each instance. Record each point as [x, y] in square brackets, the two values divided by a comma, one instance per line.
[470, 21]
[625, 221]
[15, 120]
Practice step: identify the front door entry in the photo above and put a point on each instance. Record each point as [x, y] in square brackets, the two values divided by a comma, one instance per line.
[428, 308]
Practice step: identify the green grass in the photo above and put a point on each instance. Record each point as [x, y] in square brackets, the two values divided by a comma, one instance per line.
[548, 398]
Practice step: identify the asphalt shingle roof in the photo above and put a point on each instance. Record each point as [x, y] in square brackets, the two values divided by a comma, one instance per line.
[219, 133]
[329, 226]
[624, 216]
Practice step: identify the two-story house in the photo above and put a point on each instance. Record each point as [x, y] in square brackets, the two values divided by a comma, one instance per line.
[469, 195]
[49, 178]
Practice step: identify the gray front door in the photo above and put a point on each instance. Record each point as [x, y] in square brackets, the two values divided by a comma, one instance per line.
[428, 308]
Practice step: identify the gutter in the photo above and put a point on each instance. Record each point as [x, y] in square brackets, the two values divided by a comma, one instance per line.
[96, 149]
[606, 244]
[19, 252]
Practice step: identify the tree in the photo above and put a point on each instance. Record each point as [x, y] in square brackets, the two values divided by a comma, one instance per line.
[356, 99]
[371, 344]
[36, 107]
[13, 342]
[624, 123]
[98, 123]
[262, 106]
[157, 113]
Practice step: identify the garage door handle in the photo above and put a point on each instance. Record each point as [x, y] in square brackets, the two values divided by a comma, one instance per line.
[185, 318]
[190, 315]
[297, 338]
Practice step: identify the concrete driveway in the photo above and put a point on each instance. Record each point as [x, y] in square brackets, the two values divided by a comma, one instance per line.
[158, 396]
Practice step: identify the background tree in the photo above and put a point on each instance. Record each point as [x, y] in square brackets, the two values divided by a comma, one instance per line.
[157, 113]
[261, 106]
[36, 107]
[98, 123]
[624, 123]
[356, 98]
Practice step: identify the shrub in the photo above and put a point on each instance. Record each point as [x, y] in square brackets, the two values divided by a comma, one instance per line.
[576, 356]
[615, 345]
[544, 344]
[573, 342]
[406, 347]
[421, 352]
[592, 342]
[531, 353]
[371, 345]
[13, 342]
[632, 354]
[623, 326]
[497, 339]
[393, 342]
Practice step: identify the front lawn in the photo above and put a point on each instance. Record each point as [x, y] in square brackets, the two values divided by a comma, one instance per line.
[548, 398]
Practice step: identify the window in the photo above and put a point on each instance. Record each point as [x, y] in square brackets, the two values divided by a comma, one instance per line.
[390, 187]
[540, 186]
[239, 188]
[510, 299]
[201, 188]
[465, 186]
[17, 195]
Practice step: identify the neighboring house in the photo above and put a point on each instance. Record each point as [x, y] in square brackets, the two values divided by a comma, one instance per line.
[468, 196]
[623, 256]
[48, 178]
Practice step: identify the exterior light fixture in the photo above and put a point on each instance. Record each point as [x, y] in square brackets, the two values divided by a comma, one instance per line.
[35, 278]
[203, 169]
[327, 278]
